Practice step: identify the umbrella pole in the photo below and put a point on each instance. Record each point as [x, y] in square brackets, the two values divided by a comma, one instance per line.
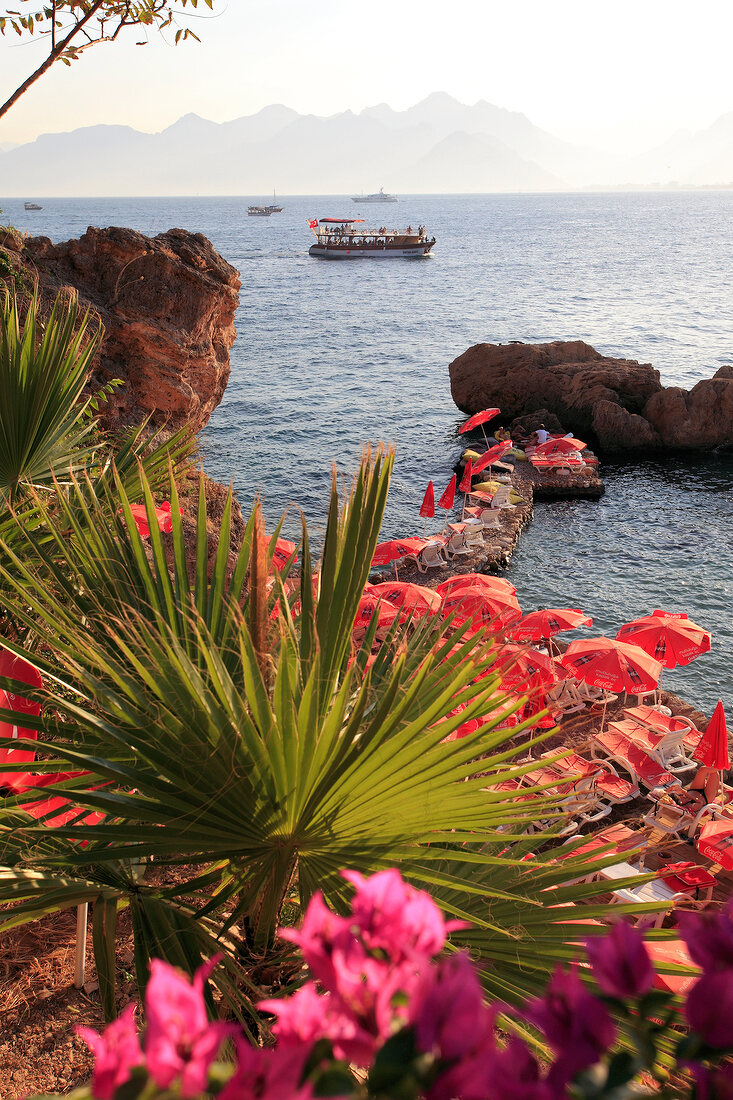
[603, 716]
[80, 949]
[394, 562]
[486, 441]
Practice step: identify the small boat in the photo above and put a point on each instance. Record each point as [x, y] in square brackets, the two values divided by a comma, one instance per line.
[380, 196]
[32, 206]
[346, 239]
[274, 207]
[259, 211]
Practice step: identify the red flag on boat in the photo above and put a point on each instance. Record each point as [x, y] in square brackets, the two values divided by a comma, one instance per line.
[427, 508]
[465, 486]
[312, 224]
[449, 495]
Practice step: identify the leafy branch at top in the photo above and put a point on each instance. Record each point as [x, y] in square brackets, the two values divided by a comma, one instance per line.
[73, 26]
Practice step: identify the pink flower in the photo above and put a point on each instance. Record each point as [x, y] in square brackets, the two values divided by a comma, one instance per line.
[321, 934]
[307, 1016]
[621, 963]
[450, 1020]
[709, 938]
[116, 1052]
[515, 1075]
[709, 1008]
[576, 1024]
[715, 1083]
[394, 917]
[272, 1074]
[179, 1040]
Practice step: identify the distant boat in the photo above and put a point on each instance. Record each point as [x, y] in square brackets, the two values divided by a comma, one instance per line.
[259, 211]
[33, 206]
[380, 196]
[274, 208]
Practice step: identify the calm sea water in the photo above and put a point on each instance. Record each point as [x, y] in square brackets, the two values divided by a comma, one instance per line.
[332, 355]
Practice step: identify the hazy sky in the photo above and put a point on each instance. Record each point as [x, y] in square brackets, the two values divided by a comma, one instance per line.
[570, 65]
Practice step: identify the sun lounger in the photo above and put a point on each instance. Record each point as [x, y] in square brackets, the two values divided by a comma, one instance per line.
[666, 747]
[489, 518]
[665, 723]
[431, 556]
[641, 766]
[578, 796]
[606, 781]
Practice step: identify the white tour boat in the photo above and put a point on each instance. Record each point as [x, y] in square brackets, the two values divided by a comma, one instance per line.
[259, 211]
[380, 196]
[346, 239]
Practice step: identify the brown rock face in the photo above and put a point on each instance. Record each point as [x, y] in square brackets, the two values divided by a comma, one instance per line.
[700, 418]
[621, 402]
[167, 304]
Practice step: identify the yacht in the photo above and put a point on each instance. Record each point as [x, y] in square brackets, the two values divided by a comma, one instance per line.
[380, 196]
[32, 206]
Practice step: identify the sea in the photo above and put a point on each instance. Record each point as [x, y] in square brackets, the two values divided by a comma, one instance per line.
[331, 356]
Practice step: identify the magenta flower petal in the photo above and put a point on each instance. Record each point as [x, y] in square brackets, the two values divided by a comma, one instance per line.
[621, 963]
[116, 1052]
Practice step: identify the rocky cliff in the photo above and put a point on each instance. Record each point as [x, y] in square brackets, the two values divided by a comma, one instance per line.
[619, 402]
[167, 304]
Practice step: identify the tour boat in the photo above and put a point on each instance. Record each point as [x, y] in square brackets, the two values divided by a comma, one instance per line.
[32, 206]
[259, 211]
[380, 196]
[345, 239]
[274, 207]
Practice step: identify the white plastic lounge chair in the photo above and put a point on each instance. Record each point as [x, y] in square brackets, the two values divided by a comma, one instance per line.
[643, 767]
[668, 748]
[464, 542]
[431, 556]
[501, 498]
[607, 784]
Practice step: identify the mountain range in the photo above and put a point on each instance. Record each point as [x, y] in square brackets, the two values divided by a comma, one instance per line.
[439, 145]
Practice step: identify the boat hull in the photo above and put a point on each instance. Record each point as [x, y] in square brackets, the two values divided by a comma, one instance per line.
[413, 252]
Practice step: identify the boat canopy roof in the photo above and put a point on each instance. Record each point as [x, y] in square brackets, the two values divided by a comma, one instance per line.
[341, 221]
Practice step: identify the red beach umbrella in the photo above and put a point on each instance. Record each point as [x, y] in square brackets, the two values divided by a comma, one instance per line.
[494, 454]
[465, 485]
[671, 638]
[449, 495]
[540, 625]
[162, 515]
[476, 580]
[522, 667]
[394, 549]
[495, 608]
[427, 508]
[16, 668]
[281, 555]
[712, 748]
[561, 446]
[411, 599]
[617, 666]
[479, 418]
[366, 608]
[716, 842]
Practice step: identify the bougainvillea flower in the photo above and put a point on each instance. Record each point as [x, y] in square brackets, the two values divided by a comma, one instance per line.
[116, 1052]
[621, 963]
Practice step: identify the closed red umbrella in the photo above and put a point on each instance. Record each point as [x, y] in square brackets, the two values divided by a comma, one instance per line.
[716, 842]
[494, 454]
[479, 418]
[412, 599]
[608, 663]
[712, 748]
[465, 485]
[394, 549]
[671, 638]
[449, 495]
[495, 608]
[475, 580]
[427, 508]
[540, 625]
[560, 446]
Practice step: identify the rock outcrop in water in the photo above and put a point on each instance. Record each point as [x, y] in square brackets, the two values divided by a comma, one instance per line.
[167, 304]
[619, 402]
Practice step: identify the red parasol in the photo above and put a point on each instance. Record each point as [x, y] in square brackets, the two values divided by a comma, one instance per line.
[411, 599]
[561, 446]
[162, 514]
[449, 494]
[675, 952]
[495, 608]
[523, 667]
[539, 625]
[475, 580]
[396, 548]
[465, 485]
[16, 668]
[283, 552]
[494, 454]
[478, 418]
[368, 606]
[672, 638]
[712, 748]
[607, 663]
[427, 508]
[716, 842]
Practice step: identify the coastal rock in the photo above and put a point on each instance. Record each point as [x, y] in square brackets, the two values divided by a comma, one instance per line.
[619, 403]
[700, 418]
[167, 304]
[568, 378]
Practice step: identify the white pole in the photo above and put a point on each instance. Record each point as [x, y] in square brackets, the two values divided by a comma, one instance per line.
[80, 951]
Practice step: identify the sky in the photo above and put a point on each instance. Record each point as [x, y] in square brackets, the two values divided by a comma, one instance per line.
[634, 67]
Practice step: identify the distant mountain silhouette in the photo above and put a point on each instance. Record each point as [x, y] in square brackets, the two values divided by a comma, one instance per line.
[438, 145]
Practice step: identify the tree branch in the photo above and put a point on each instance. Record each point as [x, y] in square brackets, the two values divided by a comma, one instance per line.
[56, 52]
